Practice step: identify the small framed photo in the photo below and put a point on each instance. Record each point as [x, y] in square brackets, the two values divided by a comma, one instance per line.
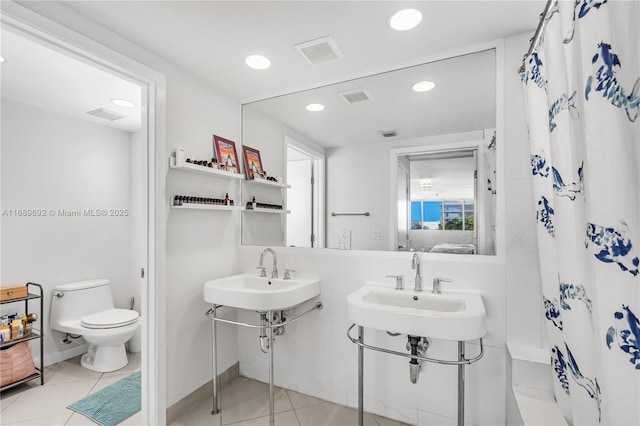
[252, 163]
[226, 154]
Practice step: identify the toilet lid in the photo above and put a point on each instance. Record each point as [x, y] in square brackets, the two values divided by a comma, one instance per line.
[110, 319]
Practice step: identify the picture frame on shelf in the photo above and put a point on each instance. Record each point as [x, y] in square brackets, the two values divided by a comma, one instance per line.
[226, 154]
[252, 163]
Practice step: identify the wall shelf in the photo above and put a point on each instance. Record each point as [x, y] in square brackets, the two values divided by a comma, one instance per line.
[188, 167]
[194, 206]
[273, 211]
[268, 183]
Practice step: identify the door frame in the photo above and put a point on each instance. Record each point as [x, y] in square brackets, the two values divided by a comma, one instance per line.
[20, 20]
[474, 143]
[319, 191]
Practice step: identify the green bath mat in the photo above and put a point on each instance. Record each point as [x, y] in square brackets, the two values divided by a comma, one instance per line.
[113, 404]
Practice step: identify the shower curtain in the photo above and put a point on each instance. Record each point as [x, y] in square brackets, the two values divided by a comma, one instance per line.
[582, 90]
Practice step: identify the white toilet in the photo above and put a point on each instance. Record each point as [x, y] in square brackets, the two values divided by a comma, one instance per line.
[86, 308]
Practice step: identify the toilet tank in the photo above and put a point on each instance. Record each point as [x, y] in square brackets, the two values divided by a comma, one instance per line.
[75, 300]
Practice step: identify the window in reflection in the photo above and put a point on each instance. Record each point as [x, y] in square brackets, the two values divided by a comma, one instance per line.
[443, 200]
[447, 215]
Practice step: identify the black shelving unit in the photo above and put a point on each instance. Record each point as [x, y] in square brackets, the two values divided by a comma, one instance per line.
[35, 333]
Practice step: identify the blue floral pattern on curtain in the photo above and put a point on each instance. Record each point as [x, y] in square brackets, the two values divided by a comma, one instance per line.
[582, 90]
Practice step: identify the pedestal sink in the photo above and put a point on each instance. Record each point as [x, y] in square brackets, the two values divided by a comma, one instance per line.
[249, 291]
[452, 315]
[265, 295]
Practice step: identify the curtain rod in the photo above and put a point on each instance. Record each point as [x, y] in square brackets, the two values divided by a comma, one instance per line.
[538, 34]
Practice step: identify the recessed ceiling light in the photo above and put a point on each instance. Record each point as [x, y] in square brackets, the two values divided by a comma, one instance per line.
[405, 19]
[315, 107]
[423, 86]
[123, 103]
[1, 59]
[258, 62]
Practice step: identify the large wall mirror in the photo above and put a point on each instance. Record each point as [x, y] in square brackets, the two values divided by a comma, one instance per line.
[383, 165]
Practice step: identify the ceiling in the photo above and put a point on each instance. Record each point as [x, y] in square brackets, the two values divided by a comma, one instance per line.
[211, 39]
[41, 77]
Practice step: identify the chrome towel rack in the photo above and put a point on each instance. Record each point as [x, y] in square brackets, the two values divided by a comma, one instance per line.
[351, 214]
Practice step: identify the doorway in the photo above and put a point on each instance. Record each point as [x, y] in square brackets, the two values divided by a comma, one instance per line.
[136, 210]
[305, 195]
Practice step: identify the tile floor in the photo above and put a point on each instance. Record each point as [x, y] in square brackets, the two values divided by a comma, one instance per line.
[245, 402]
[64, 383]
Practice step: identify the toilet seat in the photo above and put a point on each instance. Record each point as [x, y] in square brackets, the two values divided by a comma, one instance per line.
[111, 318]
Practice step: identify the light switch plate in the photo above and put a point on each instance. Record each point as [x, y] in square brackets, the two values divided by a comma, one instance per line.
[344, 240]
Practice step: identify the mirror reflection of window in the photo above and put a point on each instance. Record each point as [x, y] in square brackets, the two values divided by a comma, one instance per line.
[443, 200]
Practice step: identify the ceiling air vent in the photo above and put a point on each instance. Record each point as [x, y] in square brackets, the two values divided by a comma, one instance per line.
[389, 133]
[106, 114]
[319, 51]
[356, 96]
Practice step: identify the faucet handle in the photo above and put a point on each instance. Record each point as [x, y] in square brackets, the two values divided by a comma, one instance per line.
[436, 284]
[263, 272]
[399, 279]
[287, 274]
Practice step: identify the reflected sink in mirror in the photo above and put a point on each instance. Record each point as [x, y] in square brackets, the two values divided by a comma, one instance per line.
[452, 315]
[249, 291]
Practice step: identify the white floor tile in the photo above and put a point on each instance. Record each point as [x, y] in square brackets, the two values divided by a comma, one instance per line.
[50, 400]
[247, 399]
[105, 381]
[299, 400]
[199, 415]
[69, 371]
[383, 421]
[57, 420]
[328, 414]
[287, 418]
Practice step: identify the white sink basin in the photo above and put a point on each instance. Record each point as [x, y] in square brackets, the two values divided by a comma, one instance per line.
[452, 315]
[249, 291]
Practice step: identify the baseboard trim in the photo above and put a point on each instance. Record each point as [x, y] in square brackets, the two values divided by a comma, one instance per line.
[200, 394]
[56, 357]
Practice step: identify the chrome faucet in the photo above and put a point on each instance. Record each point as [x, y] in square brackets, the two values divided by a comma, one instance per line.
[274, 272]
[415, 264]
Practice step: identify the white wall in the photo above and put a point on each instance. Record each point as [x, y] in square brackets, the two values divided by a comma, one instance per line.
[523, 290]
[524, 297]
[53, 162]
[200, 243]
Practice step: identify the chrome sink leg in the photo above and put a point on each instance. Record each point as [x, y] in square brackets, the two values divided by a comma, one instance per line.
[215, 381]
[272, 421]
[460, 384]
[360, 377]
